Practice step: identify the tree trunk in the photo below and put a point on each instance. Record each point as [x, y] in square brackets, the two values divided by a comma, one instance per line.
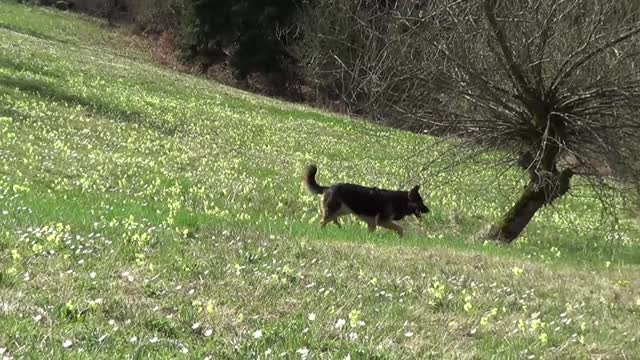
[541, 191]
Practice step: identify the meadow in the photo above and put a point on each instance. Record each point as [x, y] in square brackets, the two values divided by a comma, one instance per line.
[150, 213]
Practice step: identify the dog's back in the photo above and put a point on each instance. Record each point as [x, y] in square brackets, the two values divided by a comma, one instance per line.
[369, 201]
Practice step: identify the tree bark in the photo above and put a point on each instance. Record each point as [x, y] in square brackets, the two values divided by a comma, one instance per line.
[541, 191]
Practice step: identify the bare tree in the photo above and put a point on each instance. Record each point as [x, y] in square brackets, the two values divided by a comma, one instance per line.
[370, 55]
[555, 84]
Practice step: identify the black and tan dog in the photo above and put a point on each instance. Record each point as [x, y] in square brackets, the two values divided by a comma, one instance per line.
[377, 207]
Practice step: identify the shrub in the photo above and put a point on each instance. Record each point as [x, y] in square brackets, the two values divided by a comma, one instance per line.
[156, 16]
[253, 35]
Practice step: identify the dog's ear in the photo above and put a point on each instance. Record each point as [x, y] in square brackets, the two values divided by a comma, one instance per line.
[413, 193]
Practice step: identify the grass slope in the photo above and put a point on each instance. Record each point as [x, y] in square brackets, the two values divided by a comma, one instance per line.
[149, 213]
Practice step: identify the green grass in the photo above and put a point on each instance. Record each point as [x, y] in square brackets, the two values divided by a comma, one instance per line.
[147, 213]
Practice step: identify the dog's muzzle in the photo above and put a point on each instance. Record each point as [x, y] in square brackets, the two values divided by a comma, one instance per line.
[418, 213]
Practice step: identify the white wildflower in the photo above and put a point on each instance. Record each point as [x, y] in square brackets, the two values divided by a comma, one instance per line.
[304, 352]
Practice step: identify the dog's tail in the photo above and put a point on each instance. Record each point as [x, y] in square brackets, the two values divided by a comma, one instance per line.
[310, 180]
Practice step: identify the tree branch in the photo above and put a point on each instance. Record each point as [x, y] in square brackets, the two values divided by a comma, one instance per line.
[517, 74]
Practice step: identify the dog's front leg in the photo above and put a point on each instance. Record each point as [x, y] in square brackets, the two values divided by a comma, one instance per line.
[392, 226]
[326, 220]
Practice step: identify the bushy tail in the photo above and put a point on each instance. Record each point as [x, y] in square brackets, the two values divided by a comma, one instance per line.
[310, 180]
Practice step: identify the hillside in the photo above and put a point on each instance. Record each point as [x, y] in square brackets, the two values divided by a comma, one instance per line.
[145, 212]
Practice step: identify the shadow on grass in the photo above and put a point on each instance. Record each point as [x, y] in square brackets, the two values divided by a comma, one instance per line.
[572, 252]
[31, 32]
[8, 112]
[94, 106]
[28, 66]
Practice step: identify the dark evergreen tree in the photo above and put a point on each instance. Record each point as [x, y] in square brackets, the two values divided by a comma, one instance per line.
[252, 34]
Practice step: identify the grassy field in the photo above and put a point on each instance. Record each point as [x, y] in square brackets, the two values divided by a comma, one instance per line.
[147, 213]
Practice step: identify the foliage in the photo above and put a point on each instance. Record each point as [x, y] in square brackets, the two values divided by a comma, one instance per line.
[252, 36]
[156, 16]
[372, 57]
[255, 32]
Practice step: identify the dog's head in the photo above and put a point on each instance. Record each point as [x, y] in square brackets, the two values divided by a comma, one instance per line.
[416, 204]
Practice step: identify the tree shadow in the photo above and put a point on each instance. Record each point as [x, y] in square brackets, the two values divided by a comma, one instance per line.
[30, 32]
[28, 66]
[95, 106]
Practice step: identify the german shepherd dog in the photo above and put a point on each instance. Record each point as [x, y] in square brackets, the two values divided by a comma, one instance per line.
[377, 207]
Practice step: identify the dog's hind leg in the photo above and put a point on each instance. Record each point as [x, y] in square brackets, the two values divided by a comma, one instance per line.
[329, 218]
[330, 210]
[371, 222]
[371, 226]
[392, 226]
